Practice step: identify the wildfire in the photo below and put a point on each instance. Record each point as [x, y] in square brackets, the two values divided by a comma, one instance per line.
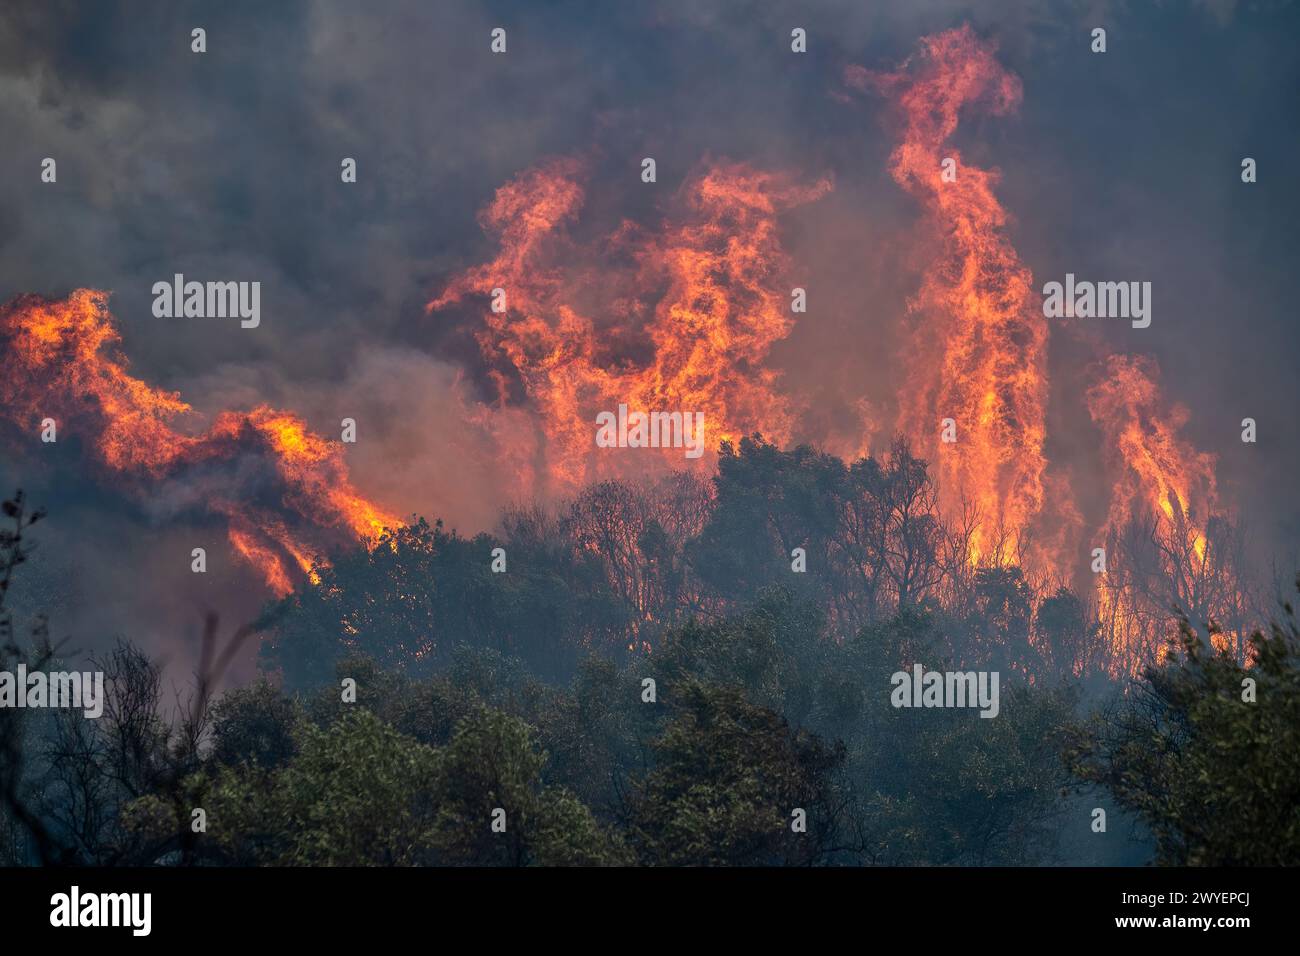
[1157, 470]
[690, 313]
[682, 319]
[61, 361]
[1163, 495]
[979, 355]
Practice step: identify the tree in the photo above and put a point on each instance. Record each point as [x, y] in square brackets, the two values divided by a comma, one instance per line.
[492, 769]
[1068, 639]
[357, 793]
[870, 530]
[945, 786]
[728, 780]
[422, 592]
[998, 621]
[25, 829]
[1214, 774]
[255, 724]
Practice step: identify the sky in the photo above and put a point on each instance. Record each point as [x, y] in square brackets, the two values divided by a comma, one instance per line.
[225, 165]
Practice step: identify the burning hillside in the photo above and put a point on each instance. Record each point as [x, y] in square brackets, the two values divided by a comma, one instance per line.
[681, 319]
[61, 361]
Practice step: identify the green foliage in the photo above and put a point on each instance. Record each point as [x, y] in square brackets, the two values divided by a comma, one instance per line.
[357, 793]
[1216, 778]
[1067, 638]
[598, 734]
[522, 693]
[493, 763]
[777, 652]
[620, 564]
[728, 776]
[944, 786]
[255, 724]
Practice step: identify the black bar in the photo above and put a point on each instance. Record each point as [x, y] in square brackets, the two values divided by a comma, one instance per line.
[224, 906]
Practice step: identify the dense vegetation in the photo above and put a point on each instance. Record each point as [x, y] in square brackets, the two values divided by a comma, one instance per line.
[650, 682]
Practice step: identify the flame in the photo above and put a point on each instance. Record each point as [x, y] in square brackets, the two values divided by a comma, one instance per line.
[1157, 470]
[252, 550]
[688, 314]
[1162, 479]
[62, 361]
[683, 317]
[979, 356]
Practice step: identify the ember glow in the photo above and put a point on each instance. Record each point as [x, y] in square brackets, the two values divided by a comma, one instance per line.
[61, 361]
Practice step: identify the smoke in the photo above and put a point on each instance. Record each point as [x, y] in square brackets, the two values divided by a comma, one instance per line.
[227, 167]
[62, 367]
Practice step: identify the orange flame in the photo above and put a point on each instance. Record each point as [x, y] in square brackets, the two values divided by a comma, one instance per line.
[980, 356]
[698, 314]
[684, 319]
[62, 361]
[1161, 480]
[1158, 472]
